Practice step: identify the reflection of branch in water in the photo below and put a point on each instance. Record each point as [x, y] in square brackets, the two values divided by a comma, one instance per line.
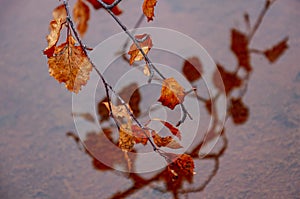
[236, 110]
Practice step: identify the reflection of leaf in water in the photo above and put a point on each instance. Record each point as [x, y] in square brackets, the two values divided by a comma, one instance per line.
[104, 151]
[192, 68]
[272, 54]
[180, 170]
[230, 79]
[87, 116]
[102, 110]
[239, 111]
[132, 94]
[239, 45]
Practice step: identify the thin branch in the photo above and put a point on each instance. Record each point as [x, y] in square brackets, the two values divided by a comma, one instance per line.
[106, 85]
[109, 6]
[148, 61]
[260, 18]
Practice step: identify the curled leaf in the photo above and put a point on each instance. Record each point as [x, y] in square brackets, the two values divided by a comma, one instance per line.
[276, 51]
[53, 37]
[60, 13]
[70, 65]
[148, 9]
[116, 10]
[165, 141]
[172, 93]
[134, 52]
[81, 14]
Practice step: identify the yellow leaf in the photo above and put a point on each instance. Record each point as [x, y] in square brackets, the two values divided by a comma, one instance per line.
[172, 93]
[81, 14]
[70, 65]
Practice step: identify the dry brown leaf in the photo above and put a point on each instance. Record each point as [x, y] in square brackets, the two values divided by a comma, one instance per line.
[81, 14]
[60, 13]
[165, 141]
[146, 45]
[172, 93]
[119, 111]
[173, 129]
[276, 51]
[139, 134]
[148, 9]
[70, 65]
[53, 37]
[126, 139]
[239, 45]
[186, 164]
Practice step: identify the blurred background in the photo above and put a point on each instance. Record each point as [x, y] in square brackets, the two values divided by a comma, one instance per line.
[261, 158]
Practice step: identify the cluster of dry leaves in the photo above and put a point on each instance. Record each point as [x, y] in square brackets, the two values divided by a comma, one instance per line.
[69, 63]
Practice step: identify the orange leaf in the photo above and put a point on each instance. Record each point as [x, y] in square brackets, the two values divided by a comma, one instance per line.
[239, 45]
[192, 68]
[119, 111]
[70, 65]
[60, 13]
[173, 129]
[165, 141]
[134, 52]
[139, 134]
[116, 10]
[81, 14]
[126, 139]
[148, 9]
[53, 37]
[276, 51]
[172, 93]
